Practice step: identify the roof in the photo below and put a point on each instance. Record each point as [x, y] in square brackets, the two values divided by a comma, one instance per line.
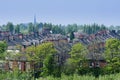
[95, 56]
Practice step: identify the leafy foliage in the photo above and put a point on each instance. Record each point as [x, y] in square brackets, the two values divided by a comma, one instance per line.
[56, 29]
[3, 47]
[31, 27]
[78, 52]
[72, 36]
[15, 75]
[42, 54]
[84, 77]
[77, 57]
[10, 27]
[17, 29]
[112, 54]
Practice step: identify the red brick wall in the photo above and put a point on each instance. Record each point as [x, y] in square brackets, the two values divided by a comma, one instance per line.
[103, 64]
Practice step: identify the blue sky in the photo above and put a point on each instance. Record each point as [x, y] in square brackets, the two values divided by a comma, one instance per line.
[61, 11]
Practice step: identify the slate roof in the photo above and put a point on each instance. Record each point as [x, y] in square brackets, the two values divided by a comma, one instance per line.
[96, 39]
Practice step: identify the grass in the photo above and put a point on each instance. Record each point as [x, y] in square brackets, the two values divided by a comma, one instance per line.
[85, 77]
[27, 76]
[15, 75]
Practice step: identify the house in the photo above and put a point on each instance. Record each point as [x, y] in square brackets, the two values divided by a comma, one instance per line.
[62, 46]
[20, 42]
[96, 45]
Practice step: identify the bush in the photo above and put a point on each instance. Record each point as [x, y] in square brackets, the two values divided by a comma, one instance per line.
[15, 75]
[84, 77]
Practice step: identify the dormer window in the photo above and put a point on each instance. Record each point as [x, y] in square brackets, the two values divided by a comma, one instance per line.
[97, 64]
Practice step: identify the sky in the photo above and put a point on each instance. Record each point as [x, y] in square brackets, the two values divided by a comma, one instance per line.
[60, 11]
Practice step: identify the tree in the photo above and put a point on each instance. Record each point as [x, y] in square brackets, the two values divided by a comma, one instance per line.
[49, 68]
[92, 29]
[77, 56]
[42, 54]
[39, 27]
[3, 47]
[112, 54]
[111, 27]
[103, 27]
[44, 50]
[31, 27]
[10, 27]
[112, 48]
[17, 29]
[47, 26]
[72, 28]
[78, 52]
[58, 29]
[72, 36]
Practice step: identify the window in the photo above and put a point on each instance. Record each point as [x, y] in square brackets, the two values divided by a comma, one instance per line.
[91, 64]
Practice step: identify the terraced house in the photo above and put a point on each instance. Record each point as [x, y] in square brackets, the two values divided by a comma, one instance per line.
[95, 43]
[17, 43]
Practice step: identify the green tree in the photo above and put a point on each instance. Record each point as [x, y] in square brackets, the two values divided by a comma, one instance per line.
[39, 27]
[91, 29]
[3, 47]
[10, 27]
[103, 27]
[72, 36]
[112, 54]
[31, 27]
[72, 28]
[111, 27]
[49, 66]
[58, 29]
[17, 29]
[112, 48]
[47, 25]
[42, 54]
[77, 56]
